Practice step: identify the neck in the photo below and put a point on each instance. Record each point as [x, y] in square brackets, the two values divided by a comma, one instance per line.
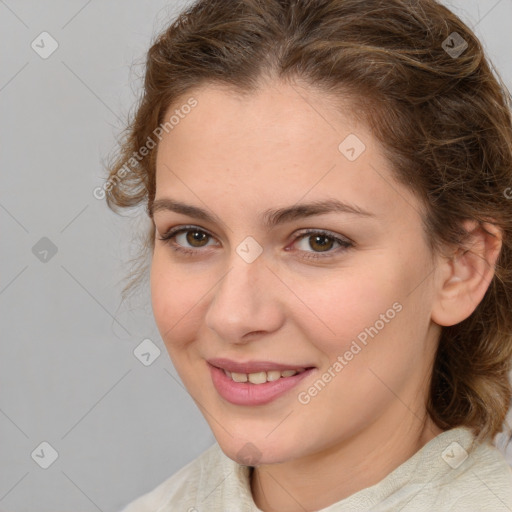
[323, 478]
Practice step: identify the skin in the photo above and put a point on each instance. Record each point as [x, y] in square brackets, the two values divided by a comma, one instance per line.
[237, 157]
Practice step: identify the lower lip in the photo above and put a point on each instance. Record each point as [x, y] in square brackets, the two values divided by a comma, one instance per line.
[246, 393]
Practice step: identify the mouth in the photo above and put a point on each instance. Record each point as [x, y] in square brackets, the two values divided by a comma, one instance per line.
[257, 382]
[262, 377]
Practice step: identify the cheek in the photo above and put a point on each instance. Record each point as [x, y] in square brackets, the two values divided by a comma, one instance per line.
[368, 316]
[176, 299]
[337, 307]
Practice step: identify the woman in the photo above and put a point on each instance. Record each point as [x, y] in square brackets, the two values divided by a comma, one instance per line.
[329, 188]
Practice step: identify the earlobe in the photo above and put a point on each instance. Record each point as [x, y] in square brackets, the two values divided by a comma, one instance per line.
[465, 276]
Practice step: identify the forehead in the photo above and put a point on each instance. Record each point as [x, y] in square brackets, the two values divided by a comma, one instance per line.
[275, 115]
[277, 145]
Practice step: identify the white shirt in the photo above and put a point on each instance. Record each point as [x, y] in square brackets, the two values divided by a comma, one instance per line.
[450, 473]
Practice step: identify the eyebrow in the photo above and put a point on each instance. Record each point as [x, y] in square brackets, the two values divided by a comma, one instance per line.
[271, 217]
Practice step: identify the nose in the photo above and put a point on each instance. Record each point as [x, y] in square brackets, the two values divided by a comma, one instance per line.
[245, 303]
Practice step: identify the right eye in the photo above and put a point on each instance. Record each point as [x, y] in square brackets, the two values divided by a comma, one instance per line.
[178, 236]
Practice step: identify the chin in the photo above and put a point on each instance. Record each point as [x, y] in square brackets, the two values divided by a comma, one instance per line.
[255, 452]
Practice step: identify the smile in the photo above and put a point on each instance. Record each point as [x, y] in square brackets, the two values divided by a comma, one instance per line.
[252, 387]
[262, 377]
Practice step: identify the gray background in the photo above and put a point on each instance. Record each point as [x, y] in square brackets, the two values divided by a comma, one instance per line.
[68, 374]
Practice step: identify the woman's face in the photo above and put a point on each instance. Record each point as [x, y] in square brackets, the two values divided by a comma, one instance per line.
[270, 283]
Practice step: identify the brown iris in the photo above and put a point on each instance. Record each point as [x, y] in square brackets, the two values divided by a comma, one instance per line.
[314, 240]
[196, 236]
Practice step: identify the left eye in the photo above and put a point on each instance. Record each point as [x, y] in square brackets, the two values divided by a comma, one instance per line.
[321, 241]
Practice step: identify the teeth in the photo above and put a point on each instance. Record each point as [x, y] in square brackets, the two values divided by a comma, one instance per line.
[258, 378]
[262, 377]
[239, 377]
[273, 375]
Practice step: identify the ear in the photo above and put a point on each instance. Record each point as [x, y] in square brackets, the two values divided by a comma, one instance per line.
[463, 277]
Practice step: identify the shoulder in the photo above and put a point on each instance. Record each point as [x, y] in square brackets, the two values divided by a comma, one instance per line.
[469, 476]
[181, 487]
[451, 473]
[483, 482]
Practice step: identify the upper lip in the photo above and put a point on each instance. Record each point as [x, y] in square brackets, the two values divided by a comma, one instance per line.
[253, 366]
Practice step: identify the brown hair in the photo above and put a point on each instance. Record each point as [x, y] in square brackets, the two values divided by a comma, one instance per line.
[442, 117]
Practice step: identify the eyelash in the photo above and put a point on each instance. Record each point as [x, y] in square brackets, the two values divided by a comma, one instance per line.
[173, 232]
